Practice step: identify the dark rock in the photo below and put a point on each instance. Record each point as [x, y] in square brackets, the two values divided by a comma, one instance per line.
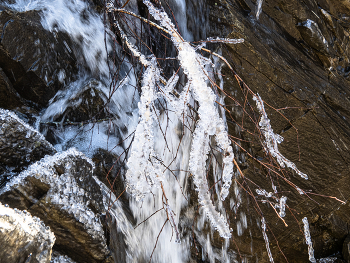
[109, 169]
[24, 238]
[9, 98]
[36, 61]
[20, 144]
[61, 191]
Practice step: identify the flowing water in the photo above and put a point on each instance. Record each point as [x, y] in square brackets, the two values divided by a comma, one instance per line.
[113, 134]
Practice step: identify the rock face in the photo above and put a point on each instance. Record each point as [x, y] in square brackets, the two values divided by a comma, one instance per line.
[294, 56]
[24, 238]
[61, 191]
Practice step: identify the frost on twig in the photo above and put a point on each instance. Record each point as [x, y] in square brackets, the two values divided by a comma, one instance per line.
[272, 139]
[308, 240]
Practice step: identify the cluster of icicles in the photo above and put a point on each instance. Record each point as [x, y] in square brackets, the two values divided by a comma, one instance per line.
[144, 166]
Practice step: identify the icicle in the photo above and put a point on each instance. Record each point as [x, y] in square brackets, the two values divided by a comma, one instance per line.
[308, 240]
[272, 139]
[263, 227]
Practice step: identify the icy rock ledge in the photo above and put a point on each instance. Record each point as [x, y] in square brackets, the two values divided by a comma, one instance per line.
[61, 190]
[24, 238]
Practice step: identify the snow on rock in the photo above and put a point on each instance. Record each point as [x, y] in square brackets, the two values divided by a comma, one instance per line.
[60, 189]
[24, 238]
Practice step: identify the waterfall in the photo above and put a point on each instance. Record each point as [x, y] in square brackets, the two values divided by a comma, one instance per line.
[93, 49]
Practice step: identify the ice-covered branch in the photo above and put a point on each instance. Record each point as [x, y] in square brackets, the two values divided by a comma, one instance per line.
[209, 123]
[281, 202]
[144, 169]
[143, 166]
[272, 139]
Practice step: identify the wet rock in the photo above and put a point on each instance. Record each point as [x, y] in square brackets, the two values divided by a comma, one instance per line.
[36, 61]
[120, 226]
[20, 144]
[61, 191]
[9, 98]
[24, 238]
[109, 169]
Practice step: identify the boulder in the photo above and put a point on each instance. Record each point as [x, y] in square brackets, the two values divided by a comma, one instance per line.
[20, 144]
[37, 62]
[9, 98]
[61, 190]
[24, 238]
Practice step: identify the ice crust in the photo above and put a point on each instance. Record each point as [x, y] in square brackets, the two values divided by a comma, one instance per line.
[32, 225]
[29, 228]
[64, 190]
[58, 258]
